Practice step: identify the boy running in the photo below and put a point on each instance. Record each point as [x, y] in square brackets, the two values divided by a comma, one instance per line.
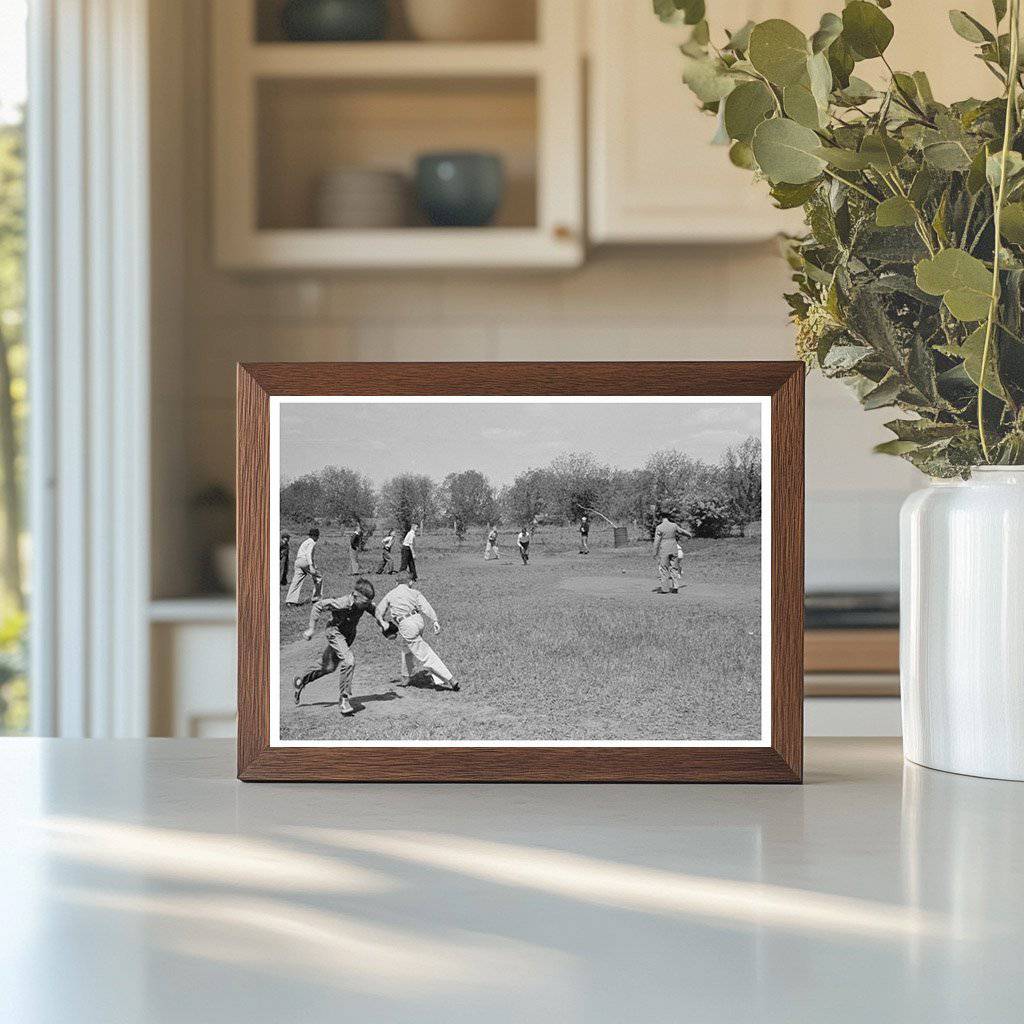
[345, 613]
[387, 560]
[409, 610]
[523, 540]
[305, 565]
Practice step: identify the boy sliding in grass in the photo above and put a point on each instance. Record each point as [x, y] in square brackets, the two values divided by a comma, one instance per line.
[406, 608]
[345, 613]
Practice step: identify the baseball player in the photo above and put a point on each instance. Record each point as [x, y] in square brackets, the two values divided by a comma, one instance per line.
[523, 542]
[286, 554]
[345, 613]
[666, 544]
[353, 549]
[409, 552]
[305, 565]
[406, 608]
[491, 551]
[387, 560]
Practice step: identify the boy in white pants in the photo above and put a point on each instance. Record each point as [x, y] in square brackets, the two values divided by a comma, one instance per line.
[491, 551]
[305, 566]
[406, 608]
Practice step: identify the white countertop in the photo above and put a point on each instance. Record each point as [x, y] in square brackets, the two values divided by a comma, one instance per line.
[140, 882]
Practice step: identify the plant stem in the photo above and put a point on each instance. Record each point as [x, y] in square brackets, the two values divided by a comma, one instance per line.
[1011, 109]
[853, 185]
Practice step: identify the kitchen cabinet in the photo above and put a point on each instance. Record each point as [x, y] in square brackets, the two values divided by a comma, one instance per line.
[287, 114]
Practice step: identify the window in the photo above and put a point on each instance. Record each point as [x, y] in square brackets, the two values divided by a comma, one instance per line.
[14, 691]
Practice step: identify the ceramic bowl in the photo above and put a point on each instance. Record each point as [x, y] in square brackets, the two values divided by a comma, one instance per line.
[334, 21]
[470, 20]
[460, 189]
[359, 197]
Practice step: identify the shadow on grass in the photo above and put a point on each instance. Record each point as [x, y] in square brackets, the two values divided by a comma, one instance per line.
[357, 702]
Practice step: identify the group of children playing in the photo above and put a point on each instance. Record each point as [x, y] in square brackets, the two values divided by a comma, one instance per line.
[404, 612]
[522, 544]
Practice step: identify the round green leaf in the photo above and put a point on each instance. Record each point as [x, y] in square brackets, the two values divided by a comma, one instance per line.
[779, 51]
[787, 152]
[820, 76]
[1012, 225]
[972, 351]
[895, 212]
[829, 30]
[883, 152]
[968, 28]
[844, 159]
[745, 108]
[963, 281]
[740, 39]
[741, 155]
[707, 79]
[866, 29]
[801, 106]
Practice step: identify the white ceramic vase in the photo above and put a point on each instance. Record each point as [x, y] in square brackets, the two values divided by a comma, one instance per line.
[962, 624]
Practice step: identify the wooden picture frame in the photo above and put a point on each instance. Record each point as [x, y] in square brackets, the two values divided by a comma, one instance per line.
[779, 759]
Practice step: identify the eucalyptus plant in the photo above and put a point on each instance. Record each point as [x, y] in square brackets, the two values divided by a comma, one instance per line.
[910, 278]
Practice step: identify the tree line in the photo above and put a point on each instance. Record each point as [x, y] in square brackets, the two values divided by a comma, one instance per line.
[716, 500]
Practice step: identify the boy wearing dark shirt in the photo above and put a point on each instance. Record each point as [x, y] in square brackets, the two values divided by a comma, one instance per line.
[286, 554]
[345, 613]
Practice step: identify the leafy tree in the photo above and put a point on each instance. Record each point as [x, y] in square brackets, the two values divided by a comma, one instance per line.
[409, 498]
[740, 479]
[302, 501]
[348, 496]
[579, 484]
[528, 497]
[710, 515]
[467, 499]
[333, 495]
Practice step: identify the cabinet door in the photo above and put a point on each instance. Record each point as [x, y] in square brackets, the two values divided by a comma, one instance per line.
[654, 176]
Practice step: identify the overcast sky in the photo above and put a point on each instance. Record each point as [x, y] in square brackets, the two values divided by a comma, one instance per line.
[501, 439]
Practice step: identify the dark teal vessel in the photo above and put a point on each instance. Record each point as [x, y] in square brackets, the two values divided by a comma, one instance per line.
[334, 21]
[460, 189]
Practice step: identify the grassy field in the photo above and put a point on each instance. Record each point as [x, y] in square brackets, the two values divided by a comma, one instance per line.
[570, 647]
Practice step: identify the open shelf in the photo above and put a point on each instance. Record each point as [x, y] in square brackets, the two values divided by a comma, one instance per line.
[287, 114]
[520, 22]
[309, 127]
[393, 60]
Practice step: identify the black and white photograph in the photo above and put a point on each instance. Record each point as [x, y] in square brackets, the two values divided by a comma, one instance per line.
[533, 570]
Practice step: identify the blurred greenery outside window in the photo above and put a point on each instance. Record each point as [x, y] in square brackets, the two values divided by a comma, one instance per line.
[14, 687]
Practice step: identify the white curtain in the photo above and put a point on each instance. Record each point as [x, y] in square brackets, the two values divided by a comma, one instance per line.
[89, 387]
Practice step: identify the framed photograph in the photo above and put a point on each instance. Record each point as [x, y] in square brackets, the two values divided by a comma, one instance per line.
[578, 572]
